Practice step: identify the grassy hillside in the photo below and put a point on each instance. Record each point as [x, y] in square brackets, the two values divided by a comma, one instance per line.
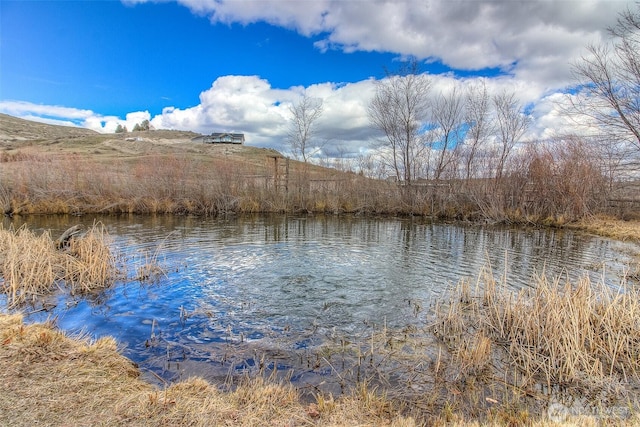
[13, 129]
[20, 137]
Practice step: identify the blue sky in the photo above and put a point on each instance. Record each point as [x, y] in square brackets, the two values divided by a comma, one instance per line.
[116, 58]
[206, 65]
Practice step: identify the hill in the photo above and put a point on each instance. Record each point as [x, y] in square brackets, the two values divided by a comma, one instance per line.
[23, 138]
[13, 129]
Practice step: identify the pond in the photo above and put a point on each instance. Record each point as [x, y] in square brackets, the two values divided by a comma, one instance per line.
[267, 294]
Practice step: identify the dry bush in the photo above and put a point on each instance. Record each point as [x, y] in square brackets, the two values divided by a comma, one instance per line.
[181, 184]
[565, 179]
[547, 180]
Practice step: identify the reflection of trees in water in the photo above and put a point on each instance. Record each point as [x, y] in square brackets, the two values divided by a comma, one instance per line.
[288, 281]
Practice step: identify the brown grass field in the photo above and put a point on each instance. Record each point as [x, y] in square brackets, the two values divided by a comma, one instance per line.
[502, 358]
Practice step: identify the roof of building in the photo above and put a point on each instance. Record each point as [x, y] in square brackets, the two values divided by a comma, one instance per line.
[221, 137]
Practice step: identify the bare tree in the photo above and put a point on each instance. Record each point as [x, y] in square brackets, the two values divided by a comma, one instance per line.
[511, 125]
[446, 137]
[302, 125]
[365, 164]
[399, 109]
[566, 177]
[478, 118]
[613, 155]
[609, 80]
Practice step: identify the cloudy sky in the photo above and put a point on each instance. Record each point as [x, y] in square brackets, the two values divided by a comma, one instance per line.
[221, 65]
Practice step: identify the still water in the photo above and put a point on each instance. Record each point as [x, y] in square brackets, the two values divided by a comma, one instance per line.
[244, 293]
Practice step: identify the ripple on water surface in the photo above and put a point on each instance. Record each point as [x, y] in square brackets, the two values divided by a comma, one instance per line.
[283, 286]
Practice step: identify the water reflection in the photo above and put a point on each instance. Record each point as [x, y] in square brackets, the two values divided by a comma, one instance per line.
[238, 289]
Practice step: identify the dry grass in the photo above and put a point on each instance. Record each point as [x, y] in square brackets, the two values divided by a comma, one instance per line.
[90, 264]
[31, 265]
[575, 343]
[610, 227]
[47, 378]
[571, 335]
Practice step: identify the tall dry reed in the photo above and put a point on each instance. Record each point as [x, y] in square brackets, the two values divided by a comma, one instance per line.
[31, 265]
[90, 263]
[563, 337]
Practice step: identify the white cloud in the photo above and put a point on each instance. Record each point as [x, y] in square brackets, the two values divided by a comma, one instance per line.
[552, 117]
[534, 39]
[68, 116]
[233, 104]
[249, 104]
[21, 109]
